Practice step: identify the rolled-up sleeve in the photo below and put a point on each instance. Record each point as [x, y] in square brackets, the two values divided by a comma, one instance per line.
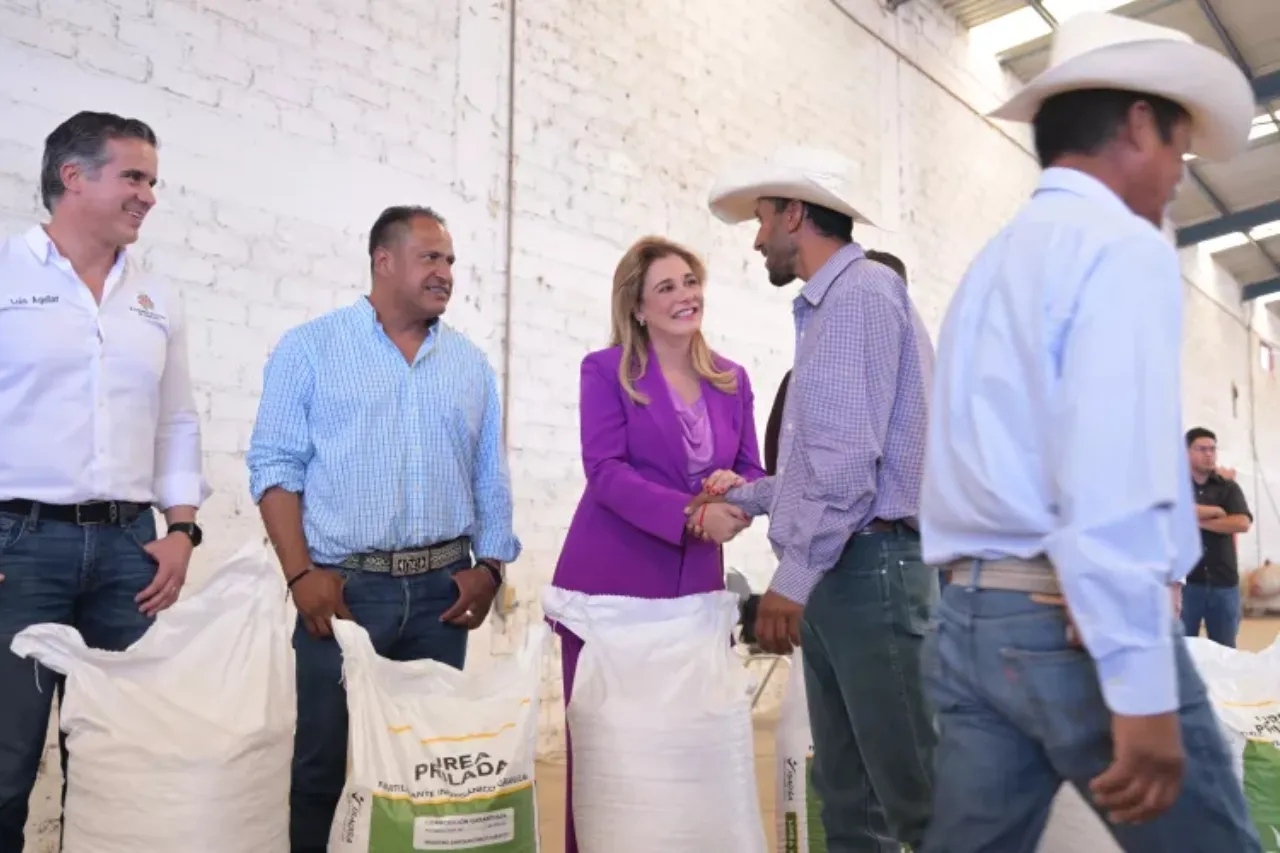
[495, 537]
[1116, 472]
[179, 459]
[280, 446]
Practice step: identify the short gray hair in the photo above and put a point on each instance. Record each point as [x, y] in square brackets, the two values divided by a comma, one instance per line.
[83, 139]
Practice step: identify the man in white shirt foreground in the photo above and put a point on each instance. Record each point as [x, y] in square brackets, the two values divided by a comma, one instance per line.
[1056, 474]
[97, 426]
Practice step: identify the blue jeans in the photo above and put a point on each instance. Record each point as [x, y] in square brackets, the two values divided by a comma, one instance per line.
[873, 733]
[60, 572]
[402, 616]
[1021, 712]
[1218, 607]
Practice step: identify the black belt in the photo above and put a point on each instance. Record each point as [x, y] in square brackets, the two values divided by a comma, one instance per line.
[122, 513]
[411, 562]
[879, 525]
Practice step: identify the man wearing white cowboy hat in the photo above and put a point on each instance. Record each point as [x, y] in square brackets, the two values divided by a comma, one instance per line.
[850, 583]
[1057, 492]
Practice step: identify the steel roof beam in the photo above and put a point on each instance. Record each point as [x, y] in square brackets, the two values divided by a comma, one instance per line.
[1262, 288]
[1229, 223]
[1267, 87]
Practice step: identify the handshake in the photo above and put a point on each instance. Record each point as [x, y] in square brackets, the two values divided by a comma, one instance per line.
[710, 518]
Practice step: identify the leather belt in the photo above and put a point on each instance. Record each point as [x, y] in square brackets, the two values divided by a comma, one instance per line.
[85, 514]
[1035, 575]
[401, 564]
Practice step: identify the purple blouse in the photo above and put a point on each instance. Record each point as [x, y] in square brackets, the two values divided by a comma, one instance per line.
[695, 432]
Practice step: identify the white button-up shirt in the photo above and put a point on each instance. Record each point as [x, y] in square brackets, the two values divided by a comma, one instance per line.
[95, 400]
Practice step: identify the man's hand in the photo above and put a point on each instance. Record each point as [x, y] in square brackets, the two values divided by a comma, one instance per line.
[1175, 592]
[318, 597]
[778, 624]
[172, 555]
[1209, 513]
[1145, 776]
[476, 591]
[719, 523]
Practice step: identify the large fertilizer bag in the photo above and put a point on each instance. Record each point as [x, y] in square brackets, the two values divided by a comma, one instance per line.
[799, 810]
[439, 758]
[184, 740]
[660, 723]
[1244, 688]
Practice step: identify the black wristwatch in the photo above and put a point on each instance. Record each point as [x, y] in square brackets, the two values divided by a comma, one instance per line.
[495, 571]
[193, 531]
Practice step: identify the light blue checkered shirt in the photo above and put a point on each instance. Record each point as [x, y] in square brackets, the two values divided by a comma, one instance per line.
[387, 455]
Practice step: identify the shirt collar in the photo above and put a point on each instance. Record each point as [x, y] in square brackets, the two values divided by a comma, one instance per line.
[364, 308]
[817, 286]
[1075, 182]
[46, 252]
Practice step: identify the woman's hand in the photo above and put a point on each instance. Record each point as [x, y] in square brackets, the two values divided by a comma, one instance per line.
[721, 481]
[718, 522]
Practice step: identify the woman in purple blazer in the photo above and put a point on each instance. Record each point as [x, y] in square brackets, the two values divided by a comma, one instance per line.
[663, 418]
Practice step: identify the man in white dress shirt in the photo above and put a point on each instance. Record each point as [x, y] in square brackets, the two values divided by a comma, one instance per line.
[97, 426]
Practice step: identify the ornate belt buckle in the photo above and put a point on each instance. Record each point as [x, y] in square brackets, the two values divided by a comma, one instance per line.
[407, 563]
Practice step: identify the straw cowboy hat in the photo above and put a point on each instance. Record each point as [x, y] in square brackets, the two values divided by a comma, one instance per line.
[820, 177]
[1098, 50]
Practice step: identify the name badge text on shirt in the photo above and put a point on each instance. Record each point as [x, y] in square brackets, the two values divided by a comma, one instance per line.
[33, 300]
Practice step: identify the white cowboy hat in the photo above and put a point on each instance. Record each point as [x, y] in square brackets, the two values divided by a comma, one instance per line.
[820, 177]
[1099, 50]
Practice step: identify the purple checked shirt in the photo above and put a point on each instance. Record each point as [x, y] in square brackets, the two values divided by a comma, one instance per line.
[854, 424]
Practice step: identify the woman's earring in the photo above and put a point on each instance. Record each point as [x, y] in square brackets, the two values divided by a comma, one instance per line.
[641, 320]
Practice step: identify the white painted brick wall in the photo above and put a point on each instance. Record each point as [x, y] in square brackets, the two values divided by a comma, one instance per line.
[286, 125]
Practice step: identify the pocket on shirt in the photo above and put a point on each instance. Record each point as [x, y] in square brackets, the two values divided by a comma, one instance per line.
[35, 335]
[144, 346]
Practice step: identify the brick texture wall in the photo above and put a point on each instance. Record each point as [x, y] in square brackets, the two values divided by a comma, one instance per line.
[286, 125]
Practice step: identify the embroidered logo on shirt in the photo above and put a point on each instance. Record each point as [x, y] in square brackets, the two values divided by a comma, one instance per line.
[146, 308]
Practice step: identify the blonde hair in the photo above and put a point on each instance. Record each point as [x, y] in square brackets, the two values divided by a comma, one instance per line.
[628, 291]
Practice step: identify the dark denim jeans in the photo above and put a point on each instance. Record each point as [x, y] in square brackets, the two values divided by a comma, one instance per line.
[873, 732]
[402, 616]
[1217, 607]
[1021, 712]
[60, 572]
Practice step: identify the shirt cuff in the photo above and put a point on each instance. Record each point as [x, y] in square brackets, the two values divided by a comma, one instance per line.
[794, 582]
[276, 475]
[504, 549]
[190, 489]
[752, 498]
[1140, 682]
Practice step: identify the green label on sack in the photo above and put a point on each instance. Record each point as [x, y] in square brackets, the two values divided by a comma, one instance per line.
[1262, 791]
[502, 823]
[813, 807]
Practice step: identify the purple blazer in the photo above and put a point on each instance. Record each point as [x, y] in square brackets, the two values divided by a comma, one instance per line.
[628, 534]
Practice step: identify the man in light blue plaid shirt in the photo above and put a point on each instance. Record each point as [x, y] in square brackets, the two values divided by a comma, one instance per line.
[378, 466]
[850, 585]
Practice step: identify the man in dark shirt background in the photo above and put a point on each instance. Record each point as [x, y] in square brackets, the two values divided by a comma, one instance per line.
[1212, 591]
